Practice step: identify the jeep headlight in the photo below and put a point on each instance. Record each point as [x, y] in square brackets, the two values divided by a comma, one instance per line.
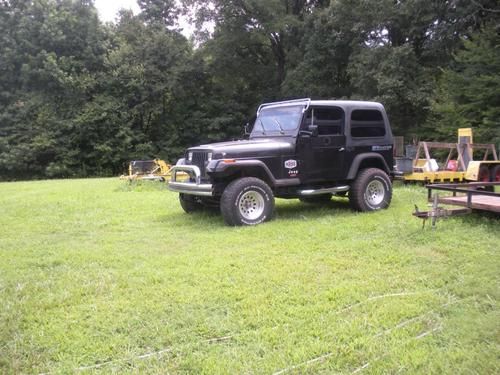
[190, 155]
[209, 156]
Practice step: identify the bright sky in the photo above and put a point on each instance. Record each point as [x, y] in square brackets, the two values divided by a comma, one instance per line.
[108, 10]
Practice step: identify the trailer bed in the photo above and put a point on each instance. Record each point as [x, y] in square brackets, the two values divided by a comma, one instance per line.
[472, 195]
[478, 202]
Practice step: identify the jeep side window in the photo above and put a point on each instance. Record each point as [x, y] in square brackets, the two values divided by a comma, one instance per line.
[367, 123]
[330, 120]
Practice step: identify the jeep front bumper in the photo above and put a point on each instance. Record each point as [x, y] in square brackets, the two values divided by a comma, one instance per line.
[193, 186]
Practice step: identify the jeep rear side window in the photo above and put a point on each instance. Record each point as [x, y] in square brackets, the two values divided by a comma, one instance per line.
[367, 123]
[330, 121]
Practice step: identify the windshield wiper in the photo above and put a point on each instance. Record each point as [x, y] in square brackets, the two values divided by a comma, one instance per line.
[262, 126]
[277, 122]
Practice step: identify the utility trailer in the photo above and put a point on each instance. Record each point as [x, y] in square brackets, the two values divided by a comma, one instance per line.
[472, 196]
[459, 165]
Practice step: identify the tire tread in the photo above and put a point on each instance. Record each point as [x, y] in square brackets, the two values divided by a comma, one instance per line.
[230, 194]
[357, 191]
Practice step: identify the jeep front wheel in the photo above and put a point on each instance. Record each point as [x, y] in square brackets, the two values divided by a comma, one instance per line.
[247, 201]
[371, 190]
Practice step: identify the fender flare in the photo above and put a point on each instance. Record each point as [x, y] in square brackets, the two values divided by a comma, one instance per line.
[358, 159]
[219, 166]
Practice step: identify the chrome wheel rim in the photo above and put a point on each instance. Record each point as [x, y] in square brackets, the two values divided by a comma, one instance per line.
[251, 205]
[374, 193]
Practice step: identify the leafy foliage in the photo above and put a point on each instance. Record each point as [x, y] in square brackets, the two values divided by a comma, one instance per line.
[81, 98]
[468, 91]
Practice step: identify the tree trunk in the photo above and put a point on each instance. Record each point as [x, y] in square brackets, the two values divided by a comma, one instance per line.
[279, 53]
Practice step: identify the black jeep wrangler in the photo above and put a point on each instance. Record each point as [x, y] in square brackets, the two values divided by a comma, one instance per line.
[306, 149]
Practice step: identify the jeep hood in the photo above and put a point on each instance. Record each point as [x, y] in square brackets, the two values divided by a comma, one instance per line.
[248, 148]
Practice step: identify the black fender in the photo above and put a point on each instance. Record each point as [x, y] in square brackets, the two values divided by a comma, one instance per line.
[360, 158]
[225, 168]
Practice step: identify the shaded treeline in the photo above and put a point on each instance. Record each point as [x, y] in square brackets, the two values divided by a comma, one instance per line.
[80, 98]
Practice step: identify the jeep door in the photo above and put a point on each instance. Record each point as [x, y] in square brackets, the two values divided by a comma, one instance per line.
[321, 155]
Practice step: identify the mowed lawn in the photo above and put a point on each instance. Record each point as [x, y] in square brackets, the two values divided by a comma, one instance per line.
[97, 276]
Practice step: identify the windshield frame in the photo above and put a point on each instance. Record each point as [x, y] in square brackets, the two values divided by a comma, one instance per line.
[282, 120]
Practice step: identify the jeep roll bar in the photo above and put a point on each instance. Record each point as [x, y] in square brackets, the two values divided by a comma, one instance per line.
[305, 101]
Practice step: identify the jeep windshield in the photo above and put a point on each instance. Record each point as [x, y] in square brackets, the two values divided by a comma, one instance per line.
[278, 121]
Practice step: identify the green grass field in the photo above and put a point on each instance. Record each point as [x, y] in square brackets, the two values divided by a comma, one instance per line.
[98, 276]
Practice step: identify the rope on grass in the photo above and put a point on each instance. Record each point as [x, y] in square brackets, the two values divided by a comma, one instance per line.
[411, 320]
[426, 333]
[422, 335]
[143, 356]
[402, 294]
[317, 359]
[367, 364]
[402, 324]
[311, 361]
[399, 325]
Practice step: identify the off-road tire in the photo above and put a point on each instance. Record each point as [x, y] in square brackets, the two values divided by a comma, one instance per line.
[247, 201]
[189, 203]
[371, 190]
[317, 199]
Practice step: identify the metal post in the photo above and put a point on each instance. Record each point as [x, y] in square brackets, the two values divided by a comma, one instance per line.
[435, 210]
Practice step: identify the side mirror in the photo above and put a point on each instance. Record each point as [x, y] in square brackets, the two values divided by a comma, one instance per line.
[313, 129]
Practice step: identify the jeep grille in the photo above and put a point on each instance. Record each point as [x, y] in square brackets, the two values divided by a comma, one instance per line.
[199, 159]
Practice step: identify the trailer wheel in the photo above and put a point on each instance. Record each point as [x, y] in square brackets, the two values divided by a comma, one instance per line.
[247, 201]
[495, 174]
[483, 174]
[189, 203]
[371, 190]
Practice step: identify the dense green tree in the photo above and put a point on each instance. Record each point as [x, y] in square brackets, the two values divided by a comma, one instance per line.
[50, 53]
[267, 31]
[79, 98]
[163, 12]
[389, 51]
[468, 93]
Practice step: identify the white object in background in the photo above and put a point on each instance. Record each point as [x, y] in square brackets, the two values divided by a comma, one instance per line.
[431, 166]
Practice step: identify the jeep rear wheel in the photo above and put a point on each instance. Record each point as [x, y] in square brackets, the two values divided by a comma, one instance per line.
[247, 201]
[372, 190]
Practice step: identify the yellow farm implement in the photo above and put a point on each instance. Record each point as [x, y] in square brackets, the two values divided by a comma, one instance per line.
[459, 165]
[156, 170]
